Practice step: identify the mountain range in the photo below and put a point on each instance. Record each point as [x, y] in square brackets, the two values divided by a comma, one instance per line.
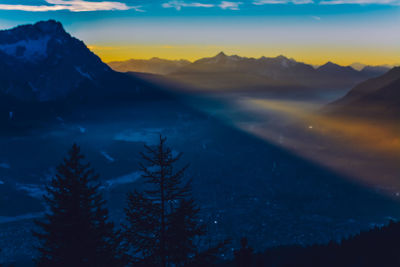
[235, 72]
[360, 66]
[244, 185]
[42, 63]
[278, 76]
[154, 65]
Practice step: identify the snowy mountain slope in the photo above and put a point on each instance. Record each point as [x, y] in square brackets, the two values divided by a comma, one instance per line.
[43, 62]
[46, 73]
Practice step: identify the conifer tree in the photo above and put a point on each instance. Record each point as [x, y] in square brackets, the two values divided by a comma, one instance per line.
[76, 230]
[162, 226]
[244, 256]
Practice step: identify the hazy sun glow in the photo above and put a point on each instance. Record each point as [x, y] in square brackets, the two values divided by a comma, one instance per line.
[329, 141]
[309, 31]
[315, 55]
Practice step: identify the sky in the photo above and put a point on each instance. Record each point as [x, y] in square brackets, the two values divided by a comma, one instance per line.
[312, 31]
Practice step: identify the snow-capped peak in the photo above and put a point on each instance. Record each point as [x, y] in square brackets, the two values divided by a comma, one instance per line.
[29, 43]
[27, 50]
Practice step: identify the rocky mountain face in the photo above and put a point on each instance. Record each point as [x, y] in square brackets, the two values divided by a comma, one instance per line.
[43, 62]
[45, 73]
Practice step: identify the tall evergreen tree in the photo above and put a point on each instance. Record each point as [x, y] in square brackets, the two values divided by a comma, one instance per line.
[162, 226]
[76, 230]
[244, 256]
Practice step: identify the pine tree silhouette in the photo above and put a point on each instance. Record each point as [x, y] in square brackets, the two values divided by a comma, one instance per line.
[184, 228]
[76, 230]
[162, 221]
[244, 256]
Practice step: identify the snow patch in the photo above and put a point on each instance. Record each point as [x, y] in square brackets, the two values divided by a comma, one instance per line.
[82, 129]
[107, 156]
[27, 50]
[32, 190]
[5, 165]
[125, 179]
[34, 89]
[5, 219]
[149, 136]
[84, 74]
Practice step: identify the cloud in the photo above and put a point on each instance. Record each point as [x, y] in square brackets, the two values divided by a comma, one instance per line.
[271, 2]
[71, 5]
[360, 2]
[179, 4]
[230, 5]
[328, 2]
[316, 17]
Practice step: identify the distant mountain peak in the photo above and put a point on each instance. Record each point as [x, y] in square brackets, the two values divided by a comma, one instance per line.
[221, 58]
[282, 57]
[285, 62]
[358, 66]
[162, 60]
[154, 65]
[333, 67]
[221, 54]
[330, 64]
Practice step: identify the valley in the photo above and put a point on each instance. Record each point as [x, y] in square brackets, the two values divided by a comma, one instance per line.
[267, 159]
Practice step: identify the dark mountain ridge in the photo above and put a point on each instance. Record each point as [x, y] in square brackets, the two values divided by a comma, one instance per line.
[377, 97]
[43, 62]
[46, 73]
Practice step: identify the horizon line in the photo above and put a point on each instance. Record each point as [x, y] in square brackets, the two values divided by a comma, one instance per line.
[249, 57]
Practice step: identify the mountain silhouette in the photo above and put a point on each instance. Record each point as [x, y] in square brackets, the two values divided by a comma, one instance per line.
[375, 97]
[46, 73]
[227, 72]
[233, 72]
[154, 65]
[43, 62]
[375, 71]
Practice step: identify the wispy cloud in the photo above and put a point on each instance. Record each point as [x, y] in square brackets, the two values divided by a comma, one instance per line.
[316, 17]
[230, 5]
[360, 2]
[71, 5]
[179, 4]
[271, 2]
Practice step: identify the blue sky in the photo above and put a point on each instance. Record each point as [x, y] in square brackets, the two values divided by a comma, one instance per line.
[309, 30]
